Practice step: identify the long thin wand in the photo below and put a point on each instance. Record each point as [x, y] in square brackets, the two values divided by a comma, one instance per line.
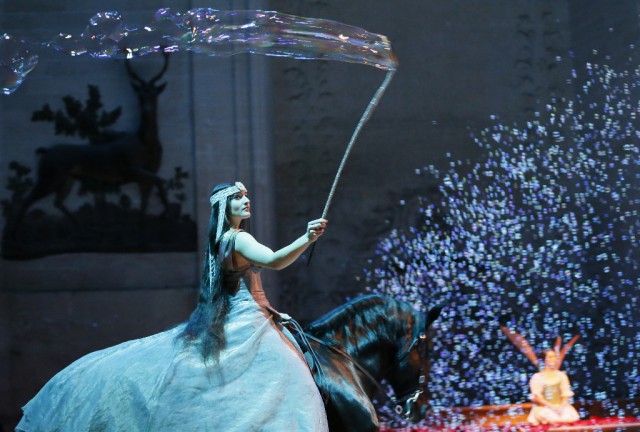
[365, 117]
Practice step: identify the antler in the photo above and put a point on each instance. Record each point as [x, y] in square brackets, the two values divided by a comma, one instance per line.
[521, 343]
[153, 80]
[558, 344]
[132, 73]
[165, 56]
[566, 348]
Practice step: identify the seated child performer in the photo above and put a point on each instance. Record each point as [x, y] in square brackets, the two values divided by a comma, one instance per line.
[550, 388]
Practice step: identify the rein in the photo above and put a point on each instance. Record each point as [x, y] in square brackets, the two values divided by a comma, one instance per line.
[402, 404]
[348, 357]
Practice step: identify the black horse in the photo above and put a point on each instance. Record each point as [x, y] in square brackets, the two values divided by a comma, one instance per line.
[359, 344]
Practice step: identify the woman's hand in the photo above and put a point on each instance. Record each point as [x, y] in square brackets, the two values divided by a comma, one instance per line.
[315, 229]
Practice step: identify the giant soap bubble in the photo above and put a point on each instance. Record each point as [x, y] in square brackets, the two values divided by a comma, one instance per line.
[17, 59]
[207, 31]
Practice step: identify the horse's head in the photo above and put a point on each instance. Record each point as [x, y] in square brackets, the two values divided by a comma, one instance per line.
[408, 375]
[360, 343]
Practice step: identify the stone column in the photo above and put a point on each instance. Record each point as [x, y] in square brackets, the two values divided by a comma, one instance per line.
[232, 135]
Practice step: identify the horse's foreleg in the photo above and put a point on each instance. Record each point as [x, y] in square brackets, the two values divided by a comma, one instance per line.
[162, 193]
[146, 180]
[61, 194]
[145, 191]
[40, 190]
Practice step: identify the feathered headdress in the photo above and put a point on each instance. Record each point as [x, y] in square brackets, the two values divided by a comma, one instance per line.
[525, 348]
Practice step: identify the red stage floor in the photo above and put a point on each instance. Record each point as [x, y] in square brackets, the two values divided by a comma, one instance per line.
[513, 418]
[594, 424]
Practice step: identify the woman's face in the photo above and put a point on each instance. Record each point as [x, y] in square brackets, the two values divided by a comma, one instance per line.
[551, 360]
[240, 206]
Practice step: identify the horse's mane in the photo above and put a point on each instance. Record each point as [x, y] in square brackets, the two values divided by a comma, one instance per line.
[366, 320]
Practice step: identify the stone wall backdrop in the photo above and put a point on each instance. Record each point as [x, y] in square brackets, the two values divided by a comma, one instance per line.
[460, 63]
[281, 126]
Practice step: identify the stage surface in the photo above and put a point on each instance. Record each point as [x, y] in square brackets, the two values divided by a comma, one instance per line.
[609, 424]
[513, 418]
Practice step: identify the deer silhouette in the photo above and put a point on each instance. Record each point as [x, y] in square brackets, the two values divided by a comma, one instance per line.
[131, 158]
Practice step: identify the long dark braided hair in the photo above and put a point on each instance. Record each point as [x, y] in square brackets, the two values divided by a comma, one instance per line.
[205, 327]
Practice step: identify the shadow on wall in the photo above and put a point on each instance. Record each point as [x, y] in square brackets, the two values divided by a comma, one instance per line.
[110, 160]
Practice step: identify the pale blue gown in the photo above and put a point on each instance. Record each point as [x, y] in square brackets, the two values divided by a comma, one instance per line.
[156, 384]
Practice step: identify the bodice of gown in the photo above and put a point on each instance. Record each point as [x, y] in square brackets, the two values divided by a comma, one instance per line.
[552, 386]
[552, 393]
[246, 278]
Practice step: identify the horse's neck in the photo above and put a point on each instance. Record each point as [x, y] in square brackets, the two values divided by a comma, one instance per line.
[375, 350]
[148, 128]
[367, 330]
[376, 359]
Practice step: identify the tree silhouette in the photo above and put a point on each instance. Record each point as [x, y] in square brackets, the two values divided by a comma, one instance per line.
[88, 122]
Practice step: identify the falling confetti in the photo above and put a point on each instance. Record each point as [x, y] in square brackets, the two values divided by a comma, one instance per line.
[545, 229]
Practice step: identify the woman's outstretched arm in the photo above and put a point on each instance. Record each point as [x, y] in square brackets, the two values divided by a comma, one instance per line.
[260, 255]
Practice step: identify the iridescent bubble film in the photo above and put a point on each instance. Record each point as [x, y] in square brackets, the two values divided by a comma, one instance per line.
[214, 33]
[17, 59]
[541, 232]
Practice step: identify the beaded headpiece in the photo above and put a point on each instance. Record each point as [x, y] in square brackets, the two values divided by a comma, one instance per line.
[220, 199]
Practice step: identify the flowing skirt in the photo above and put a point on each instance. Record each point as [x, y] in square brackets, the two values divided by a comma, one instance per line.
[544, 415]
[156, 384]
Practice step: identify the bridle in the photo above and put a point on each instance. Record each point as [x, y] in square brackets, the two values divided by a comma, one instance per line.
[405, 404]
